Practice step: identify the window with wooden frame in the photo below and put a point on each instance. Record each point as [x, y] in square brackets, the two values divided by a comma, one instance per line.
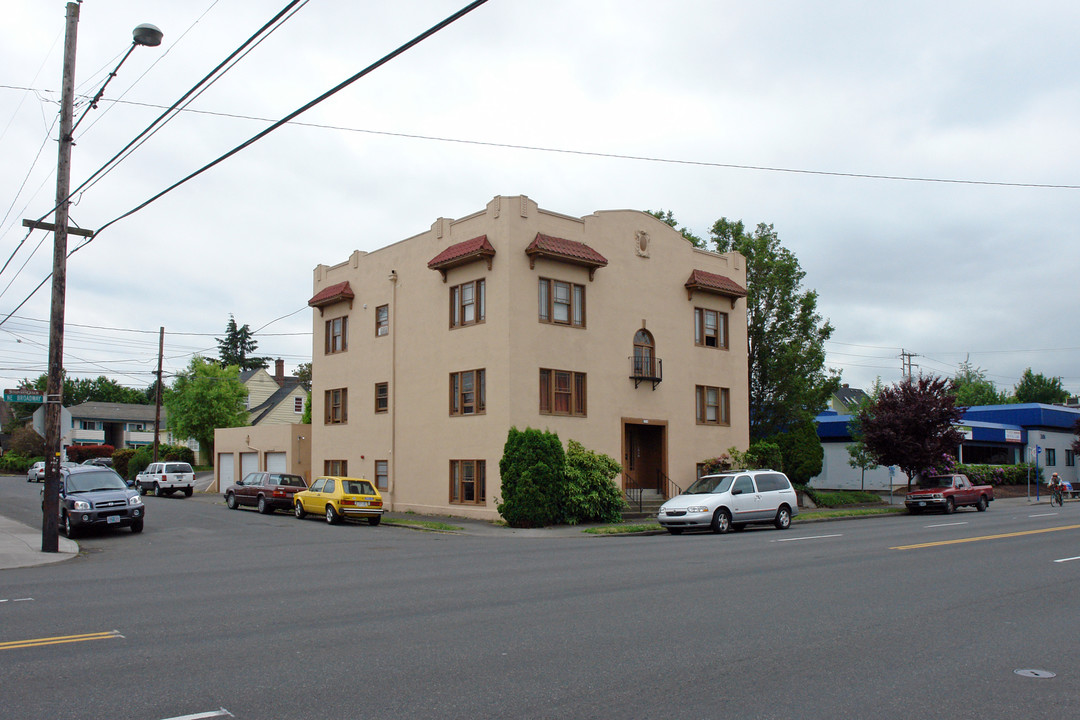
[468, 482]
[713, 405]
[337, 406]
[298, 405]
[710, 328]
[561, 303]
[382, 397]
[340, 468]
[468, 303]
[337, 335]
[382, 474]
[467, 392]
[562, 392]
[382, 320]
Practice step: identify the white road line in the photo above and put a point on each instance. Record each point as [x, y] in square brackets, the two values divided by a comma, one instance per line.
[4, 600]
[1043, 515]
[946, 524]
[1067, 559]
[809, 537]
[222, 712]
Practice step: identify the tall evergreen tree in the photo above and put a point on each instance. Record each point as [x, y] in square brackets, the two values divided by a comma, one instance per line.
[238, 347]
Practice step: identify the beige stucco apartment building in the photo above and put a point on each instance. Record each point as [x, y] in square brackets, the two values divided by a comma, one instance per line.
[611, 329]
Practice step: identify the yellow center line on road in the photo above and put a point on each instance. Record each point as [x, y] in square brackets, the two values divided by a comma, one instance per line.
[983, 537]
[41, 642]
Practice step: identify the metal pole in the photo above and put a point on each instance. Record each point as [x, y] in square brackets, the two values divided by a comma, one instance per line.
[54, 390]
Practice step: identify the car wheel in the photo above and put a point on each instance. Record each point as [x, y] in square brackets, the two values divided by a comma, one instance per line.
[188, 491]
[783, 518]
[158, 492]
[373, 521]
[263, 507]
[950, 506]
[332, 516]
[136, 527]
[142, 488]
[981, 507]
[230, 501]
[675, 531]
[298, 510]
[69, 529]
[721, 521]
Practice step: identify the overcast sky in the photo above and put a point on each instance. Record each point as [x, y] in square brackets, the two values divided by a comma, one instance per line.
[986, 94]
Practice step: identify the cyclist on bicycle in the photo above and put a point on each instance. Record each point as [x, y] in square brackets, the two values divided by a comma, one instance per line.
[1055, 490]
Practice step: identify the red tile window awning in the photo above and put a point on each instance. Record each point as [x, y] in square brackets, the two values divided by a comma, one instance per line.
[567, 251]
[707, 282]
[463, 253]
[331, 294]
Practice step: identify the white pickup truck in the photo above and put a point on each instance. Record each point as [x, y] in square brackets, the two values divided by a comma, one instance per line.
[165, 478]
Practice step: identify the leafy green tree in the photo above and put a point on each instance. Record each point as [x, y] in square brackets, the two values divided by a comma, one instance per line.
[858, 456]
[205, 396]
[788, 381]
[238, 346]
[533, 478]
[668, 218]
[972, 388]
[592, 496]
[99, 389]
[801, 451]
[306, 417]
[1037, 388]
[27, 442]
[912, 424]
[303, 374]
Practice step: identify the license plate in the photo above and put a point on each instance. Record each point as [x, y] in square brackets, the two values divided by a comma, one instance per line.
[112, 519]
[361, 503]
[921, 504]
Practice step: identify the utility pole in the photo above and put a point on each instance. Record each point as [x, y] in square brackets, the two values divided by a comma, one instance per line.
[157, 399]
[905, 362]
[54, 389]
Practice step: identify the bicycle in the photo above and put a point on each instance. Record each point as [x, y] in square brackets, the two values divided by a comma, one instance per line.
[1055, 497]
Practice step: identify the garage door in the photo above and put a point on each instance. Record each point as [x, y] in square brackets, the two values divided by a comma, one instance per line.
[249, 463]
[275, 462]
[225, 471]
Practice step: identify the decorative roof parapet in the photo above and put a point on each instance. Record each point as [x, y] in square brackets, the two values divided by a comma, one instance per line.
[463, 253]
[567, 251]
[707, 282]
[331, 294]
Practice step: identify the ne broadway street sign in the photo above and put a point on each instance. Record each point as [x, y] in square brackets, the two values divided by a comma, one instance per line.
[23, 396]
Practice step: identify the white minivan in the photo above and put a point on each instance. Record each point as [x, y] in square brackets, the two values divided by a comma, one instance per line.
[731, 501]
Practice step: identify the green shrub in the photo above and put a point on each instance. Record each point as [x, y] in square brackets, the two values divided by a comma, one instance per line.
[138, 462]
[840, 498]
[14, 462]
[1000, 474]
[79, 453]
[533, 478]
[591, 494]
[176, 453]
[802, 452]
[120, 461]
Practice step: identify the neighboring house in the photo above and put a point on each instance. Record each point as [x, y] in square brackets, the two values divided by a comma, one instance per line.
[846, 400]
[993, 434]
[273, 399]
[611, 329]
[122, 425]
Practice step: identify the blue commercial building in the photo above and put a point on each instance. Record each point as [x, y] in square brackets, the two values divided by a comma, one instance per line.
[993, 434]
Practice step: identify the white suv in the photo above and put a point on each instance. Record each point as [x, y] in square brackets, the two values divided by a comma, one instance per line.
[165, 478]
[730, 501]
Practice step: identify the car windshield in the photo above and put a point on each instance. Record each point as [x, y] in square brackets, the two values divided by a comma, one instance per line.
[92, 481]
[934, 481]
[357, 487]
[288, 480]
[710, 484]
[177, 468]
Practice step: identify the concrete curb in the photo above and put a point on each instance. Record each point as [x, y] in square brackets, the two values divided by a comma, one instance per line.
[20, 546]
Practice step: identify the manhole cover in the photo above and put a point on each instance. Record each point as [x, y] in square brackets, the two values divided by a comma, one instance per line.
[1031, 673]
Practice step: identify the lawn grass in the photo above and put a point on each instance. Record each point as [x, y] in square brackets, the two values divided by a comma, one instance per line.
[423, 524]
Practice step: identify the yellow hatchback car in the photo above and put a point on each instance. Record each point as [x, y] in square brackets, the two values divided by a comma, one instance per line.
[340, 497]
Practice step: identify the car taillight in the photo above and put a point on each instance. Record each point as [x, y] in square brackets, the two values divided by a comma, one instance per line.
[164, 478]
[279, 493]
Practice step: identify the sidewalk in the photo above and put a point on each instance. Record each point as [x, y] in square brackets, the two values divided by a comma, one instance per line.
[20, 546]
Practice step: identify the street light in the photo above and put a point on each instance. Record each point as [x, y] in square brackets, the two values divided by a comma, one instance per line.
[146, 35]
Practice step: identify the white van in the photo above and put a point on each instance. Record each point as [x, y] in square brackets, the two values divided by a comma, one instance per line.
[731, 501]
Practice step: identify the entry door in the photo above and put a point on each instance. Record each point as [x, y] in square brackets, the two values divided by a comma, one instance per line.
[643, 456]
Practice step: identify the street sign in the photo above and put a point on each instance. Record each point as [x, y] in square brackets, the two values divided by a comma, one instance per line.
[23, 396]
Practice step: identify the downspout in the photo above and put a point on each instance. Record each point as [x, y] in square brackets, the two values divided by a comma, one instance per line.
[393, 389]
[258, 453]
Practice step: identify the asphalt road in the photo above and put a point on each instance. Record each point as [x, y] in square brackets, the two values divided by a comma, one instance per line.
[213, 611]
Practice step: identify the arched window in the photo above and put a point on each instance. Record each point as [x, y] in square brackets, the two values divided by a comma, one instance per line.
[644, 355]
